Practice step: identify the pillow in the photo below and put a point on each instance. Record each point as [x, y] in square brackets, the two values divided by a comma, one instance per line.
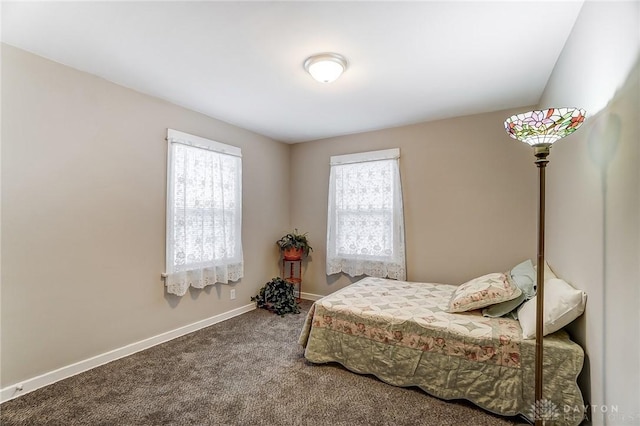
[524, 276]
[562, 304]
[548, 273]
[502, 309]
[483, 291]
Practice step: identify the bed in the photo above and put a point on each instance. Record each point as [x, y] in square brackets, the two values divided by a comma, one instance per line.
[401, 333]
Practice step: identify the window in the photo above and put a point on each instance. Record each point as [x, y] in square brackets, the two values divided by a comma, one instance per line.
[204, 213]
[365, 226]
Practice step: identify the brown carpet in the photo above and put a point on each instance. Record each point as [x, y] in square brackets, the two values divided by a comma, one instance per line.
[248, 370]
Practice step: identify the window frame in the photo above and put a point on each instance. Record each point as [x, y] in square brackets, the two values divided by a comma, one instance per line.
[393, 263]
[197, 142]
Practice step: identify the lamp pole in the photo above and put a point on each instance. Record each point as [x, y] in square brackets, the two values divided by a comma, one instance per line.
[541, 152]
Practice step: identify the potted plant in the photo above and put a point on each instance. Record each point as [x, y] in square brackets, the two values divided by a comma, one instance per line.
[277, 296]
[294, 246]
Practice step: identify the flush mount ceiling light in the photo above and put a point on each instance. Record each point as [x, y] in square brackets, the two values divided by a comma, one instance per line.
[325, 67]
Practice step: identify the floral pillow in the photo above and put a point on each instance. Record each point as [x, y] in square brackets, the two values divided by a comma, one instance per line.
[524, 275]
[483, 291]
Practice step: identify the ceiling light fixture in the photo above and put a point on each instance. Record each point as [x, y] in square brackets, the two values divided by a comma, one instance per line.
[325, 67]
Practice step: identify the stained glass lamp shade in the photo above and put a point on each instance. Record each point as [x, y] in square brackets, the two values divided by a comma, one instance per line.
[544, 126]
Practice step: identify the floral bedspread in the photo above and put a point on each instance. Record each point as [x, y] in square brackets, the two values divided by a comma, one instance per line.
[400, 332]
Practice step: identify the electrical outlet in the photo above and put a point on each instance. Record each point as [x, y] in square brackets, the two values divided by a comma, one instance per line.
[232, 293]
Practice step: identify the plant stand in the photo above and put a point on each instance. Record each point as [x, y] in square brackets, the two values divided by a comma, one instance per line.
[292, 272]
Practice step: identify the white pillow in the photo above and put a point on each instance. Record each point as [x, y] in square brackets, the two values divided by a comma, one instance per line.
[548, 272]
[562, 304]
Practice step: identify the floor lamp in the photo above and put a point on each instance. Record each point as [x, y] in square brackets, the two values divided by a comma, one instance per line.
[541, 129]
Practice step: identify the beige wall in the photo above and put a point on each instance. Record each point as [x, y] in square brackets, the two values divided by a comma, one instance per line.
[593, 238]
[83, 215]
[467, 198]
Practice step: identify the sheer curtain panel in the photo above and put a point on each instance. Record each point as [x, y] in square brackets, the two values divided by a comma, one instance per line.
[204, 213]
[365, 226]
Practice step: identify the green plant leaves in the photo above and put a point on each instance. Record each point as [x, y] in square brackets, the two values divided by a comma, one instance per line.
[277, 296]
[295, 240]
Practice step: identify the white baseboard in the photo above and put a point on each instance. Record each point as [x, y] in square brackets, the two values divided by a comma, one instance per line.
[310, 296]
[29, 385]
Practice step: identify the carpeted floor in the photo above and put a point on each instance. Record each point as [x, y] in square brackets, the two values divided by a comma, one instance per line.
[248, 370]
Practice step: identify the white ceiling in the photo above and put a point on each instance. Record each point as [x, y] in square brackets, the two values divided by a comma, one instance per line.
[241, 62]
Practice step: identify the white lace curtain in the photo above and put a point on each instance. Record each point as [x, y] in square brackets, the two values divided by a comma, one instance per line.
[204, 213]
[365, 227]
